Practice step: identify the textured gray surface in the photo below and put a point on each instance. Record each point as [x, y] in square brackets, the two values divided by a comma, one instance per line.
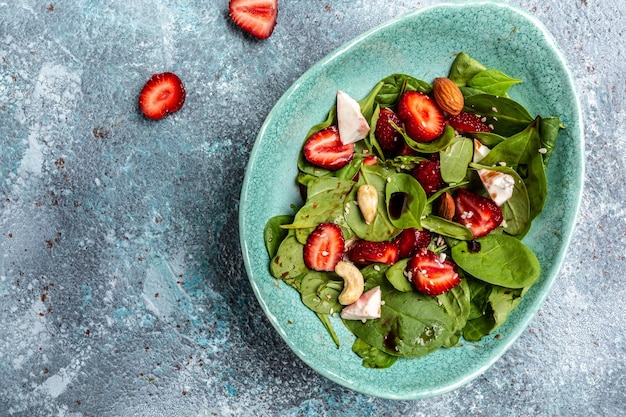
[122, 287]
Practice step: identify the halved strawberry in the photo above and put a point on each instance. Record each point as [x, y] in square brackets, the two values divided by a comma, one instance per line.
[162, 94]
[432, 274]
[428, 174]
[422, 118]
[479, 214]
[389, 138]
[409, 241]
[325, 149]
[364, 252]
[324, 247]
[468, 122]
[257, 17]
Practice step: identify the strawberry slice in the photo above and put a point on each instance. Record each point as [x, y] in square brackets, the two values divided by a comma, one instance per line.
[432, 274]
[423, 119]
[364, 252]
[409, 241]
[468, 122]
[479, 214]
[325, 149]
[257, 17]
[428, 174]
[162, 94]
[389, 138]
[324, 247]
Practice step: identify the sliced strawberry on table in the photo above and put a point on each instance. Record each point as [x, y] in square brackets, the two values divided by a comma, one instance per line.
[389, 138]
[468, 122]
[422, 118]
[324, 247]
[428, 174]
[409, 241]
[432, 274]
[364, 252]
[479, 214]
[163, 94]
[257, 17]
[325, 149]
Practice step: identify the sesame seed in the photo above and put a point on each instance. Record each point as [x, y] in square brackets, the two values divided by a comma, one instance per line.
[543, 151]
[483, 119]
[493, 109]
[325, 253]
[502, 163]
[376, 268]
[490, 126]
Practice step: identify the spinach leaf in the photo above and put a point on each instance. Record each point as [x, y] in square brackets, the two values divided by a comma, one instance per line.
[329, 327]
[445, 227]
[289, 261]
[463, 68]
[369, 103]
[381, 229]
[273, 234]
[414, 200]
[492, 81]
[324, 203]
[397, 277]
[507, 116]
[491, 305]
[374, 275]
[454, 159]
[488, 139]
[456, 303]
[396, 84]
[428, 147]
[549, 128]
[502, 260]
[405, 162]
[372, 357]
[319, 292]
[411, 324]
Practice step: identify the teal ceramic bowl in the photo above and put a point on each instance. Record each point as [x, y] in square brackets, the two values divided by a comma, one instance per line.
[422, 43]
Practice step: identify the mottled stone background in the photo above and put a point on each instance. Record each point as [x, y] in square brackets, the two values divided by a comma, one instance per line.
[122, 286]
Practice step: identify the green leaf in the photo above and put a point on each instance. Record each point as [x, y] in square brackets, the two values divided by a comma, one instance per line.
[289, 261]
[319, 292]
[456, 303]
[273, 234]
[397, 278]
[455, 158]
[396, 84]
[329, 327]
[413, 196]
[324, 203]
[488, 139]
[445, 227]
[463, 68]
[502, 260]
[549, 128]
[429, 147]
[507, 116]
[372, 357]
[492, 81]
[381, 229]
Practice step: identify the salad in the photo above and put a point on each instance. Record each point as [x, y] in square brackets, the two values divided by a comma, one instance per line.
[416, 199]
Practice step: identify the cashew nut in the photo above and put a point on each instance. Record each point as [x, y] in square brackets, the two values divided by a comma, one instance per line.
[353, 283]
[367, 197]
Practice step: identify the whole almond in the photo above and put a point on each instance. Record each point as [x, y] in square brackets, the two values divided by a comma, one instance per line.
[448, 96]
[446, 207]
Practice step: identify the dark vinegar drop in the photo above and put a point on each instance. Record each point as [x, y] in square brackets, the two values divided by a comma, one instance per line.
[397, 204]
[473, 246]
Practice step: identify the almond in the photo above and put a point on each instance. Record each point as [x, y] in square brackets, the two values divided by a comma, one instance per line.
[367, 197]
[446, 206]
[448, 96]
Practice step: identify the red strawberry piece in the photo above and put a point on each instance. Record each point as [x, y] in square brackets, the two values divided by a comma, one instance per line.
[364, 252]
[389, 138]
[325, 149]
[432, 274]
[479, 214]
[257, 17]
[409, 241]
[370, 160]
[428, 174]
[423, 119]
[468, 122]
[324, 247]
[162, 94]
